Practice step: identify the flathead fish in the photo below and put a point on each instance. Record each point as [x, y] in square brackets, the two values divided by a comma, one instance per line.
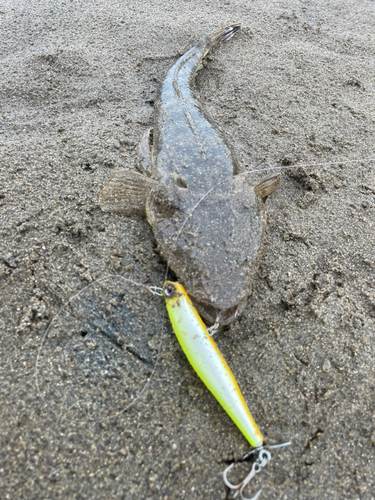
[207, 219]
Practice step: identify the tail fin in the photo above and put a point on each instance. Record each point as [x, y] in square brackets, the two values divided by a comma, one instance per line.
[191, 61]
[223, 34]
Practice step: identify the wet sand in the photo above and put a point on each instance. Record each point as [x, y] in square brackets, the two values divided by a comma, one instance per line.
[78, 81]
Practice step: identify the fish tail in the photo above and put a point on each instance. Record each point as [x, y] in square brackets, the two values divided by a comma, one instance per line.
[192, 60]
[223, 34]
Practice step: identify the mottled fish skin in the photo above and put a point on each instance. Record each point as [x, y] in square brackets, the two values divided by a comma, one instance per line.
[186, 142]
[208, 221]
[218, 250]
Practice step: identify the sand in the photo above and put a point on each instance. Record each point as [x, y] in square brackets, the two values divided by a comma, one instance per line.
[78, 81]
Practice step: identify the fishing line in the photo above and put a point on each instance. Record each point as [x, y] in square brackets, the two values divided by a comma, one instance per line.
[154, 289]
[267, 168]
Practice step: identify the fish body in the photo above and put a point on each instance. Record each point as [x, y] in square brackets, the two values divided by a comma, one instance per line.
[207, 361]
[208, 221]
[186, 142]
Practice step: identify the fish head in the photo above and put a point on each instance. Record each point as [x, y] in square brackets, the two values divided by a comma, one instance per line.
[212, 243]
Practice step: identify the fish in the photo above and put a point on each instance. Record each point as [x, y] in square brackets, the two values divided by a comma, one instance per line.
[207, 216]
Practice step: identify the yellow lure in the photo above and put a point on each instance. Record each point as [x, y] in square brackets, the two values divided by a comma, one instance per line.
[207, 361]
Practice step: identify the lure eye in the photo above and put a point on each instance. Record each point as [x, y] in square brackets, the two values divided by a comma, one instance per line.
[168, 290]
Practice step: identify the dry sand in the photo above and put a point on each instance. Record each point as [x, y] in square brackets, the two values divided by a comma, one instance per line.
[78, 82]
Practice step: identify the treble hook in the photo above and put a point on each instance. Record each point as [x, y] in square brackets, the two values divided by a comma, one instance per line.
[263, 458]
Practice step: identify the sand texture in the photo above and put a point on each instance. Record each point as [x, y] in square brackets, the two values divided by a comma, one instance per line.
[78, 82]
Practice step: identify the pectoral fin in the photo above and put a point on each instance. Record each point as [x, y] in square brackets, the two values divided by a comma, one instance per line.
[267, 185]
[126, 192]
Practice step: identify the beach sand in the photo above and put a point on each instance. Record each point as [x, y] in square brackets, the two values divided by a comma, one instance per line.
[78, 81]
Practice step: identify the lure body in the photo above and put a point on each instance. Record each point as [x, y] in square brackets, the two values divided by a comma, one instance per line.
[207, 361]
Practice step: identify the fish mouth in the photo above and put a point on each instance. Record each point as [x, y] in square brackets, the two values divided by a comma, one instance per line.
[212, 314]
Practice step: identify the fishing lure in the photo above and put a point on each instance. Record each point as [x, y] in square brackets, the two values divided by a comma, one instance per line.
[212, 369]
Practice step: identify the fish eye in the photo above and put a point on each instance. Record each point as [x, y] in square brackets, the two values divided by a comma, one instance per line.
[168, 290]
[181, 183]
